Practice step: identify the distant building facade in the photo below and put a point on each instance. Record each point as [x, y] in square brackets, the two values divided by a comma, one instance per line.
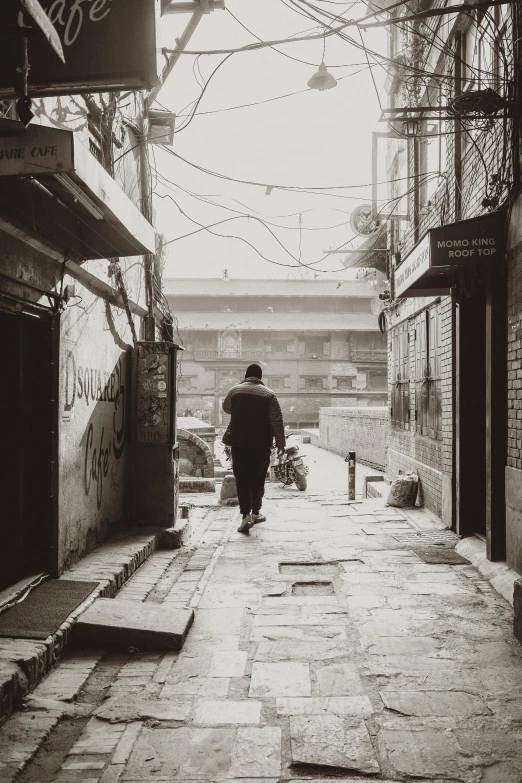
[318, 341]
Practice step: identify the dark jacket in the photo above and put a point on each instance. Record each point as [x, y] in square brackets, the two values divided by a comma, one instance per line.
[256, 417]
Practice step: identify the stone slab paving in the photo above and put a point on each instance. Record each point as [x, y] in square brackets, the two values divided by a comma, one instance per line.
[409, 671]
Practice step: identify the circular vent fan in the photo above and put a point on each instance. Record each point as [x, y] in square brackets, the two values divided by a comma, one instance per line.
[362, 221]
[478, 102]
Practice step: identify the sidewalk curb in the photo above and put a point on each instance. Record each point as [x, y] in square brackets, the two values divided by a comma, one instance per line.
[501, 577]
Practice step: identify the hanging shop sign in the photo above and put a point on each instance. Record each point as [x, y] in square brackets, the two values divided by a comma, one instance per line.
[434, 262]
[413, 267]
[39, 150]
[108, 45]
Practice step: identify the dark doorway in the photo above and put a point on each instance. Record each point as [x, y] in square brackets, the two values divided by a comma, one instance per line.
[26, 461]
[471, 414]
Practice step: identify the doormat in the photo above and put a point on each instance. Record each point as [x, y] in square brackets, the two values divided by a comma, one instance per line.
[418, 538]
[45, 609]
[440, 555]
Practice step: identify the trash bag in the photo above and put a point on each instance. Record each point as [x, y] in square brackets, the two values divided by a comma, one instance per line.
[403, 490]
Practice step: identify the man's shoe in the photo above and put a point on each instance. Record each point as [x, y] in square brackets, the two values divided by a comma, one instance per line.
[258, 518]
[246, 524]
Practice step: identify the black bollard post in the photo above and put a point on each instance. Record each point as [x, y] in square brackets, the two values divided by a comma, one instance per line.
[350, 459]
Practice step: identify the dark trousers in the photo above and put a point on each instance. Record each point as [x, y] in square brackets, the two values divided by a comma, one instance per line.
[250, 467]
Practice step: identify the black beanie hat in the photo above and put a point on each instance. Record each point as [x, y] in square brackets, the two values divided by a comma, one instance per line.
[254, 370]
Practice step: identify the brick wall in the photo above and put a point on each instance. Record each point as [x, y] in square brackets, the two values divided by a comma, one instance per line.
[363, 430]
[409, 450]
[514, 392]
[514, 357]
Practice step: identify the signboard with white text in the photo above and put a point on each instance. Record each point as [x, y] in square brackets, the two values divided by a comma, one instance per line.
[413, 266]
[39, 150]
[477, 239]
[108, 45]
[444, 251]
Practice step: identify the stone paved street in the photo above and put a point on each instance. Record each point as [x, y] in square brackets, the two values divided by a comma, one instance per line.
[323, 648]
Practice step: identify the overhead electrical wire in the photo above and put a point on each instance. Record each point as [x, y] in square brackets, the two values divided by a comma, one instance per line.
[283, 54]
[333, 31]
[327, 31]
[369, 65]
[292, 188]
[277, 97]
[311, 265]
[207, 201]
[194, 110]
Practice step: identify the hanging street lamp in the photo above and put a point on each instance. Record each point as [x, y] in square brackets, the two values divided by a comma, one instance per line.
[322, 79]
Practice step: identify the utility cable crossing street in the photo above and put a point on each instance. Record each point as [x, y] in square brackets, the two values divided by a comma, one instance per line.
[337, 639]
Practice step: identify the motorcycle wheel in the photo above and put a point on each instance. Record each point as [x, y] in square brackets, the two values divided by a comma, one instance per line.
[300, 480]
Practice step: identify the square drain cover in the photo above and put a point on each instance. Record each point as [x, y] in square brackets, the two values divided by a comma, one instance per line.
[309, 569]
[440, 555]
[312, 588]
[420, 538]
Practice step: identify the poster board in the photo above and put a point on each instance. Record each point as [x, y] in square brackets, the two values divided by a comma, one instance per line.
[155, 367]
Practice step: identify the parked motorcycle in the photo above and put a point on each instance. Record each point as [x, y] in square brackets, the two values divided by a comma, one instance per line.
[290, 469]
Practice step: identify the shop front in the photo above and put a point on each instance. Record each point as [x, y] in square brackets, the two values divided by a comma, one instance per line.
[464, 264]
[67, 330]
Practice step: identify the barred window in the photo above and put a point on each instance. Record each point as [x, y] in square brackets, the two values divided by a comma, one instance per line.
[400, 380]
[428, 413]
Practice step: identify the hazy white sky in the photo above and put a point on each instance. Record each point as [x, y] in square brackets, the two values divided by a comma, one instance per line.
[310, 139]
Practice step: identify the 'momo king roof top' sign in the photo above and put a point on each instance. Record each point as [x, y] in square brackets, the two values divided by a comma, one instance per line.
[444, 250]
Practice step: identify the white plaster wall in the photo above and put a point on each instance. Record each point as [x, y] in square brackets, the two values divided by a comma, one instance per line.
[94, 414]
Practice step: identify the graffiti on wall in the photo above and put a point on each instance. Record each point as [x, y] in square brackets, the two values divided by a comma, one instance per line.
[105, 435]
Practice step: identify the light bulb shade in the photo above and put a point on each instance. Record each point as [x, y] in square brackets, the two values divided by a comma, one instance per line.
[322, 79]
[411, 126]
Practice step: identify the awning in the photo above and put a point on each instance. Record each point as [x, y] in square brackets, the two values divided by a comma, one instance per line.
[371, 253]
[50, 183]
[447, 251]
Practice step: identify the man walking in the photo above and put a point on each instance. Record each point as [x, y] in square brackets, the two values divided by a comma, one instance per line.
[256, 419]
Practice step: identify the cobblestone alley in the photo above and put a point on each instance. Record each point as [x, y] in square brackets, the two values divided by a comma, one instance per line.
[323, 647]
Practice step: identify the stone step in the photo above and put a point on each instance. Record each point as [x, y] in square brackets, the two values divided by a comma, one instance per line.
[25, 662]
[153, 626]
[191, 484]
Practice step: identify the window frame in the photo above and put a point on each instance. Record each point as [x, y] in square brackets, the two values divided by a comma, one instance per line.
[344, 378]
[316, 378]
[275, 382]
[400, 377]
[428, 397]
[315, 340]
[275, 346]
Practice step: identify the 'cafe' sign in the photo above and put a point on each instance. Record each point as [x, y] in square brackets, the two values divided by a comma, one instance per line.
[433, 262]
[108, 45]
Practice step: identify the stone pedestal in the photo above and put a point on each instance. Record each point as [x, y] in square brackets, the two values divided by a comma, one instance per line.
[228, 495]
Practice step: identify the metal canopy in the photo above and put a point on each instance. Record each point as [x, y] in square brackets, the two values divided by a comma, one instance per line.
[50, 181]
[448, 251]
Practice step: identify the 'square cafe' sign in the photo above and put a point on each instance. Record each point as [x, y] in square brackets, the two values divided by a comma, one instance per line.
[108, 45]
